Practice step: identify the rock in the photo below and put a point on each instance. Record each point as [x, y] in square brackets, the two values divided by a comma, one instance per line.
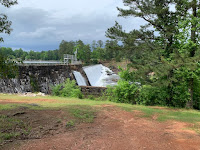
[40, 94]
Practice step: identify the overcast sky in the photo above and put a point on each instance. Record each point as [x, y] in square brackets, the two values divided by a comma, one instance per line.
[43, 24]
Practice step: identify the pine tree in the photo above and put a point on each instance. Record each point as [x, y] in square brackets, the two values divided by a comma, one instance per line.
[172, 52]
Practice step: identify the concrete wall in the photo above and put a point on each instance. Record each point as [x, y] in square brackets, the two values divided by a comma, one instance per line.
[92, 90]
[40, 78]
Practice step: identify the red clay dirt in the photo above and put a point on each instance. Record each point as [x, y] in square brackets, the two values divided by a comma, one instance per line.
[115, 129]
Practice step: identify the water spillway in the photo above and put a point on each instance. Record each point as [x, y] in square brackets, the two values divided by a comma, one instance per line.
[99, 75]
[44, 77]
[79, 78]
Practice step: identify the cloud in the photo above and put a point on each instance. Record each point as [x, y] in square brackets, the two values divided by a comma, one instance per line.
[42, 26]
[39, 33]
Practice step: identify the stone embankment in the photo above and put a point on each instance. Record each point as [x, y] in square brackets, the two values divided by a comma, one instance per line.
[37, 78]
[93, 90]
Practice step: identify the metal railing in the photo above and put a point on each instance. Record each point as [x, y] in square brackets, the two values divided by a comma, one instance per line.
[71, 59]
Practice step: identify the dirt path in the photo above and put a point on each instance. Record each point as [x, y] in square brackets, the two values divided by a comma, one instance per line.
[115, 129]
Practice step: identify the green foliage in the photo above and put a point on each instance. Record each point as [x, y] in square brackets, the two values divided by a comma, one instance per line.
[166, 63]
[34, 84]
[19, 54]
[88, 54]
[66, 47]
[128, 91]
[67, 89]
[85, 115]
[91, 97]
[126, 74]
[149, 95]
[5, 25]
[11, 128]
[8, 68]
[125, 91]
[70, 124]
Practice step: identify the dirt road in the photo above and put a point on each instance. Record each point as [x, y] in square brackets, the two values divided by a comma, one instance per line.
[115, 129]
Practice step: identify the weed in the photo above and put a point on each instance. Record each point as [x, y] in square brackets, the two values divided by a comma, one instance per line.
[12, 128]
[85, 115]
[8, 136]
[91, 97]
[59, 121]
[70, 124]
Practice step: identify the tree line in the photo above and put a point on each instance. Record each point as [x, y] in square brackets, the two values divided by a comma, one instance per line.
[92, 53]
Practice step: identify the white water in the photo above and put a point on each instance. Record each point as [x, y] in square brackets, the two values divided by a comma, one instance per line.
[79, 78]
[99, 75]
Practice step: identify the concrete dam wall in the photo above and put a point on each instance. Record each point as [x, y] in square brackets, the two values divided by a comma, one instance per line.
[38, 78]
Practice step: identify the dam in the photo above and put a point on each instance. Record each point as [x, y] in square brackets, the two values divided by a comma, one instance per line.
[42, 77]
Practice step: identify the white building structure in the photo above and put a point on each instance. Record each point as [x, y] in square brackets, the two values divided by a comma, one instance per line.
[71, 59]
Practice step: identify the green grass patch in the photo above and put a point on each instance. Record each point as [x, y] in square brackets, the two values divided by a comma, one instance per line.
[83, 113]
[164, 113]
[11, 128]
[70, 124]
[47, 102]
[81, 108]
[148, 111]
[190, 116]
[8, 106]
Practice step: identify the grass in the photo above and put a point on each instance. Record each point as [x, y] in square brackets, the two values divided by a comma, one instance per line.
[70, 124]
[83, 114]
[80, 114]
[47, 101]
[81, 111]
[86, 112]
[165, 113]
[11, 128]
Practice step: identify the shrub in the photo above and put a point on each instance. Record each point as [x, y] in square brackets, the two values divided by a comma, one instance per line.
[175, 93]
[124, 92]
[149, 95]
[91, 97]
[67, 89]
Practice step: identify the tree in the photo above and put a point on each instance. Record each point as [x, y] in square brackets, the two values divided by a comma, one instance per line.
[7, 68]
[111, 50]
[18, 53]
[172, 53]
[66, 47]
[94, 45]
[84, 52]
[5, 24]
[100, 43]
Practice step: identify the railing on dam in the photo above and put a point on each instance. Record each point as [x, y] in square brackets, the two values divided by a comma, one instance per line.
[49, 62]
[42, 63]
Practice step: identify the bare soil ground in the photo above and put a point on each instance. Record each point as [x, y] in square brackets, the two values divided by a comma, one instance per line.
[113, 65]
[112, 129]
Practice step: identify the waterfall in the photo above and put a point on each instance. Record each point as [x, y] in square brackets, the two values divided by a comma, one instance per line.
[93, 73]
[99, 75]
[79, 78]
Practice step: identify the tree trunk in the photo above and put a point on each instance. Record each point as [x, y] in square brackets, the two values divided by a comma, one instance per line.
[191, 91]
[193, 30]
[192, 52]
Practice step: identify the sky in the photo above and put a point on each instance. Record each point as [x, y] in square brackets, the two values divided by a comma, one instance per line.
[43, 24]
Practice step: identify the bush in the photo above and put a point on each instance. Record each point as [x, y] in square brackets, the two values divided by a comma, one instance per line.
[149, 95]
[124, 92]
[176, 93]
[67, 89]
